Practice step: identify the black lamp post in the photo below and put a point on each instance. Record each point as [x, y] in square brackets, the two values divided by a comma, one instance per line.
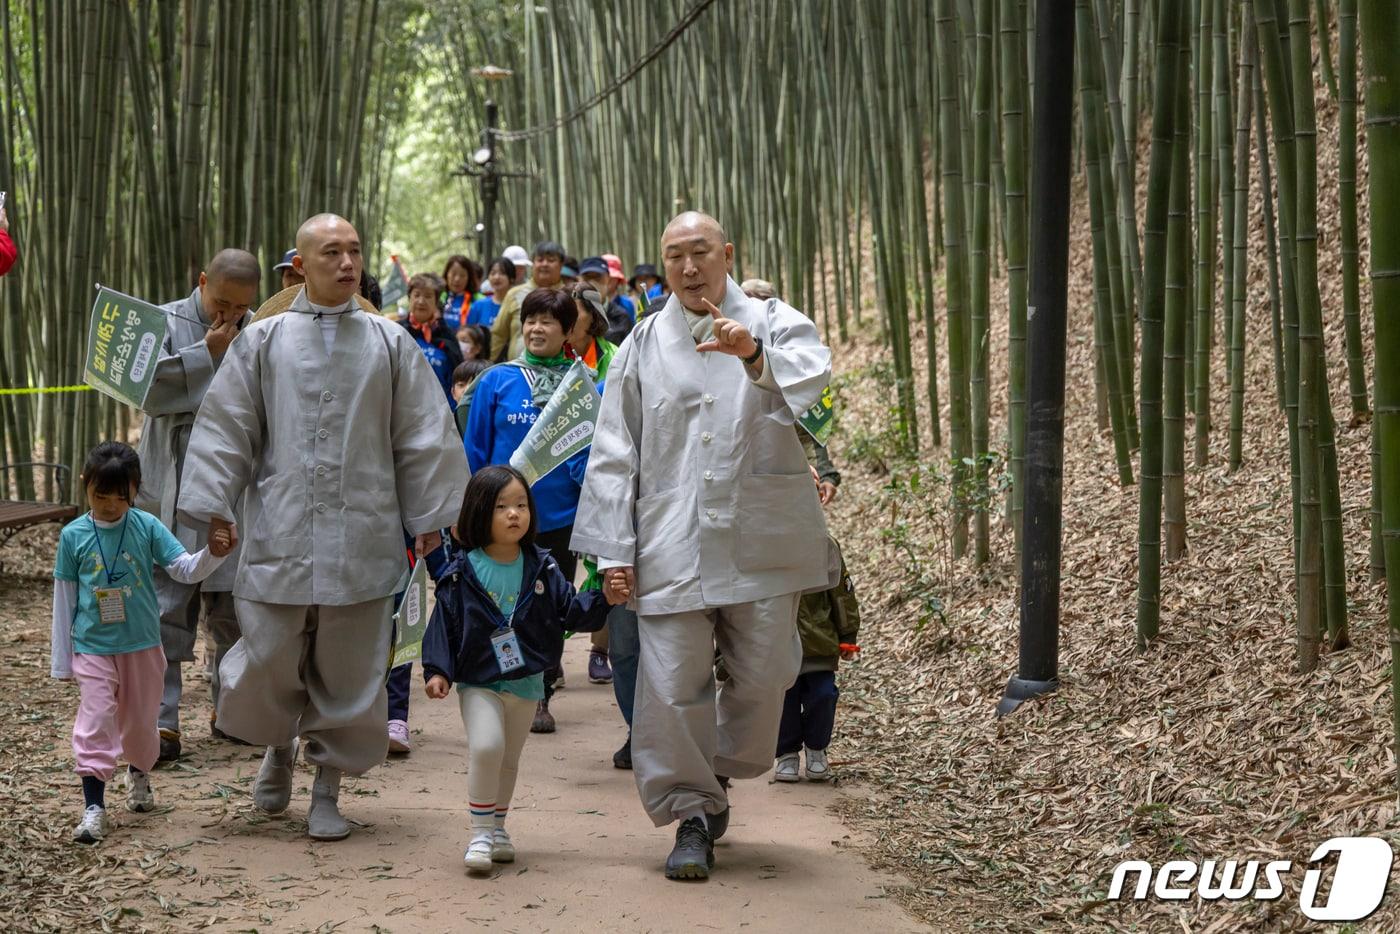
[1037, 670]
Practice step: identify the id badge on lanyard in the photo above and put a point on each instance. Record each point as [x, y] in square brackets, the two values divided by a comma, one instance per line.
[111, 602]
[507, 649]
[111, 605]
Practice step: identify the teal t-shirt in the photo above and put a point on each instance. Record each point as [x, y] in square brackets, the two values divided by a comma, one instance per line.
[502, 583]
[116, 558]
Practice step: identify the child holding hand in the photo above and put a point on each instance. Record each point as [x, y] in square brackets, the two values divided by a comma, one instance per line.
[106, 628]
[503, 607]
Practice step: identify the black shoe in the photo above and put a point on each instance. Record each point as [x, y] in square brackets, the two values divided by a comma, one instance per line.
[622, 759]
[694, 854]
[217, 733]
[169, 746]
[719, 823]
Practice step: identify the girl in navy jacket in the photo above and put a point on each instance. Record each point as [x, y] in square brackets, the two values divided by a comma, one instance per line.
[502, 609]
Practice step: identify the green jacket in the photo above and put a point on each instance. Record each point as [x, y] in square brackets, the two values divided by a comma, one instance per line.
[818, 457]
[827, 619]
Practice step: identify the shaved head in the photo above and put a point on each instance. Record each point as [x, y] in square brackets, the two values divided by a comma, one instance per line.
[228, 286]
[314, 229]
[693, 223]
[697, 256]
[231, 265]
[328, 255]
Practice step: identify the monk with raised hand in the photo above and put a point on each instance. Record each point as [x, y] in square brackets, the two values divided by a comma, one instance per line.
[715, 538]
[333, 424]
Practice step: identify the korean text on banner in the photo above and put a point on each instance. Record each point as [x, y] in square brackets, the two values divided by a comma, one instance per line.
[411, 621]
[124, 341]
[818, 419]
[564, 428]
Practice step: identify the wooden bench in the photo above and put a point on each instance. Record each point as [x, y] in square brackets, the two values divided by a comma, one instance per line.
[17, 515]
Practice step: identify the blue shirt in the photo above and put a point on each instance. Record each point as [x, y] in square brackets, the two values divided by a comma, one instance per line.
[437, 359]
[483, 311]
[119, 558]
[502, 413]
[452, 311]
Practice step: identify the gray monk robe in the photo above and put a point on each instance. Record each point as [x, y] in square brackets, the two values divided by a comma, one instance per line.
[697, 478]
[182, 376]
[338, 453]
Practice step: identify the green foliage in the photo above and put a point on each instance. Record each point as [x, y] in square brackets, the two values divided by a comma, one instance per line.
[880, 445]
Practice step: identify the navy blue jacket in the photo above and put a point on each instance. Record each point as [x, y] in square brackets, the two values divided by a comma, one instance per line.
[457, 644]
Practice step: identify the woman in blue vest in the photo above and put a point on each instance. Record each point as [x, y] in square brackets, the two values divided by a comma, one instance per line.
[424, 322]
[463, 278]
[505, 404]
[501, 276]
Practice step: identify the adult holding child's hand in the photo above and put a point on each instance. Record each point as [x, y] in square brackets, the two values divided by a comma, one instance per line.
[721, 455]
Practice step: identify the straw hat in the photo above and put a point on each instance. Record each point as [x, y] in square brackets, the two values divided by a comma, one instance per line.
[283, 300]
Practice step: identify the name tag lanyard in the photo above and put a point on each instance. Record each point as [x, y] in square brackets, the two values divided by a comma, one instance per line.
[121, 540]
[505, 646]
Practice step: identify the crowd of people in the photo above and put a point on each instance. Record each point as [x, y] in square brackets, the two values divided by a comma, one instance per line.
[294, 464]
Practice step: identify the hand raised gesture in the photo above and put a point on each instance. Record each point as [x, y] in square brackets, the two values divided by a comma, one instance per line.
[731, 337]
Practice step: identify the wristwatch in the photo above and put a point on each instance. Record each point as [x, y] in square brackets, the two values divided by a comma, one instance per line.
[757, 352]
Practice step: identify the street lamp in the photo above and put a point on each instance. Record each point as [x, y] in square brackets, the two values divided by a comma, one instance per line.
[483, 165]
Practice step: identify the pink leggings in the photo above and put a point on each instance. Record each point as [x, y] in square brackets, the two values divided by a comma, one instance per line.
[119, 700]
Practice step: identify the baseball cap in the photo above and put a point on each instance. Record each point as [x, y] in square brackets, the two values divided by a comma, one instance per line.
[614, 267]
[286, 260]
[517, 255]
[593, 264]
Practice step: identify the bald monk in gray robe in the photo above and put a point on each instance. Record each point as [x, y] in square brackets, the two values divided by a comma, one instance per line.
[332, 422]
[699, 503]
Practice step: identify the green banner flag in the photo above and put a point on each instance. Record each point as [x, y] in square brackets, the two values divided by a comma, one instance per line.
[395, 284]
[124, 340]
[818, 420]
[564, 428]
[411, 621]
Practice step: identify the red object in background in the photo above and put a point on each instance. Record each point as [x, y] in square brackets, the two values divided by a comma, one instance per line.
[8, 253]
[847, 647]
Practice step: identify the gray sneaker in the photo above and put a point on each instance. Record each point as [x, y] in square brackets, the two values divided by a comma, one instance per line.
[786, 768]
[817, 768]
[139, 798]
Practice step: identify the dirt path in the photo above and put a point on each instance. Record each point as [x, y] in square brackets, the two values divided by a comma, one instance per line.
[589, 859]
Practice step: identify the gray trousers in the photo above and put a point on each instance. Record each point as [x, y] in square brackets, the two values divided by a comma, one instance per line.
[180, 610]
[315, 672]
[683, 731]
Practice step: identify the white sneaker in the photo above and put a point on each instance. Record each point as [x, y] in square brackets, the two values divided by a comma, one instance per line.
[139, 797]
[93, 826]
[478, 855]
[786, 769]
[502, 850]
[817, 769]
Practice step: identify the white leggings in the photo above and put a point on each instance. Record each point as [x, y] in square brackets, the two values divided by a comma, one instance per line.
[497, 726]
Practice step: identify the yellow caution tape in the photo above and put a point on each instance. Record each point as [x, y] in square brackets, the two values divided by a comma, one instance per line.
[35, 390]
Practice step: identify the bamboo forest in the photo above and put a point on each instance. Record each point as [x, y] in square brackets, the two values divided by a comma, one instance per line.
[1080, 312]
